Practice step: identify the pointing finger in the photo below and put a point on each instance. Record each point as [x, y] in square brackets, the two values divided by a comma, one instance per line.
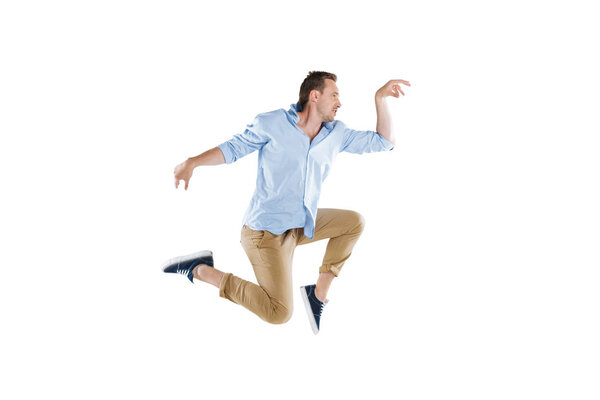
[402, 81]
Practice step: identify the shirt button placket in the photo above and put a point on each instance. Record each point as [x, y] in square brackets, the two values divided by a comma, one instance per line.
[306, 178]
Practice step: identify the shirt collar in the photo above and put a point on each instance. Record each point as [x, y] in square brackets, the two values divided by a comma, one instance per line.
[293, 113]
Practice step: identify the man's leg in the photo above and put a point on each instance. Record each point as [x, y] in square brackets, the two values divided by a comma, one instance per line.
[271, 257]
[323, 284]
[208, 274]
[342, 228]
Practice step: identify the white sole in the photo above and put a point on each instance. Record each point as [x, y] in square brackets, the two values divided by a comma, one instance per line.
[311, 318]
[176, 260]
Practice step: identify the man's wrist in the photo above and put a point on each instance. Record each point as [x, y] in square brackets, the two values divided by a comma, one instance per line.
[192, 162]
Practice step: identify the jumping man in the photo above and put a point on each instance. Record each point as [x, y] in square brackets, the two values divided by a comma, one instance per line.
[296, 149]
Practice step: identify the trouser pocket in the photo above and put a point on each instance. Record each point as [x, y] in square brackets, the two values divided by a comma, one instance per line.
[250, 237]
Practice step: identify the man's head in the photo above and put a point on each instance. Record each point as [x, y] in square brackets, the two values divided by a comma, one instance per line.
[319, 90]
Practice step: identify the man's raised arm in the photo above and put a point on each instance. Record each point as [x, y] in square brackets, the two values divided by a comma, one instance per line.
[384, 120]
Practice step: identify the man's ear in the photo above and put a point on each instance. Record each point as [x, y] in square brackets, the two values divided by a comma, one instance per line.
[314, 95]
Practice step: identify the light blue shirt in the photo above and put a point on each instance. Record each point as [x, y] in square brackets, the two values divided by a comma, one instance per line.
[291, 169]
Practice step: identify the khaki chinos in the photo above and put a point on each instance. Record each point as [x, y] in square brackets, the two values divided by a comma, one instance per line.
[271, 257]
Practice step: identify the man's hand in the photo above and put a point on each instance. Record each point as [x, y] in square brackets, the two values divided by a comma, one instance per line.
[392, 88]
[384, 120]
[183, 172]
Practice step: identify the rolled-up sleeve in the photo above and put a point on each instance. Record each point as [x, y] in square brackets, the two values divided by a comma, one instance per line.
[243, 144]
[359, 142]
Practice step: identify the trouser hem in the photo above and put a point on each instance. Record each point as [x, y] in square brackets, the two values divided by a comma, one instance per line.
[335, 270]
[223, 285]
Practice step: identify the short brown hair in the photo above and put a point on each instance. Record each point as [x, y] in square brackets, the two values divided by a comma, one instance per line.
[315, 80]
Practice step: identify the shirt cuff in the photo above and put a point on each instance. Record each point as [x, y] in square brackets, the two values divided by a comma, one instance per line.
[226, 152]
[386, 143]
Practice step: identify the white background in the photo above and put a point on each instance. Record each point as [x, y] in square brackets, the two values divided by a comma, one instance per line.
[476, 277]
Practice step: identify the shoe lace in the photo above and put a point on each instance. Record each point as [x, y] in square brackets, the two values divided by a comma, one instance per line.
[321, 308]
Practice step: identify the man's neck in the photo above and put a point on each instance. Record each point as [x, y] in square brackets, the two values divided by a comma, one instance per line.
[310, 122]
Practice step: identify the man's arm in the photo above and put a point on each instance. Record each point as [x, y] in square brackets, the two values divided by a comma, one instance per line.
[228, 152]
[183, 172]
[384, 120]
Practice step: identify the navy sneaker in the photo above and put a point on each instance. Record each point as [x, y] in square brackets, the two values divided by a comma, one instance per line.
[185, 264]
[314, 306]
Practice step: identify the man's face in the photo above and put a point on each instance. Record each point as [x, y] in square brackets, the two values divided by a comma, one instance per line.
[329, 101]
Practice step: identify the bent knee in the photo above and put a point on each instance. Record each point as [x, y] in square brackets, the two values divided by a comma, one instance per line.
[358, 220]
[279, 315]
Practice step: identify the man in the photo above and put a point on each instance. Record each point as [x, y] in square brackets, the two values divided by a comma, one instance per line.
[296, 149]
